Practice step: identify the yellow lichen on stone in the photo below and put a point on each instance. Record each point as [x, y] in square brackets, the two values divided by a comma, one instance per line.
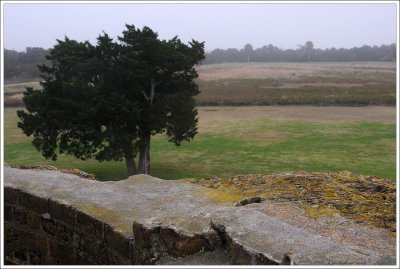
[318, 211]
[218, 196]
[112, 217]
[362, 199]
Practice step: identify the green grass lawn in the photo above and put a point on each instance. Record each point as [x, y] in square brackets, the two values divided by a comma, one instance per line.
[232, 147]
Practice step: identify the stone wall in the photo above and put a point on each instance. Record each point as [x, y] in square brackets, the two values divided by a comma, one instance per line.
[53, 218]
[44, 231]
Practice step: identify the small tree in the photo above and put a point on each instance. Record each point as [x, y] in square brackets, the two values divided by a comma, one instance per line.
[106, 101]
[248, 50]
[308, 50]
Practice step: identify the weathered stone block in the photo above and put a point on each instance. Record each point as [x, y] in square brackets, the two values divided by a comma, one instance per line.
[142, 234]
[240, 257]
[62, 212]
[10, 196]
[35, 203]
[90, 225]
[262, 260]
[181, 245]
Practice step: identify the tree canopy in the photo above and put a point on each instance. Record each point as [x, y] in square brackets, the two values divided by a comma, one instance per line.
[105, 101]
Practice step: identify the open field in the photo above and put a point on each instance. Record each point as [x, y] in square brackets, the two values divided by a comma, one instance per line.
[277, 70]
[247, 140]
[362, 83]
[13, 93]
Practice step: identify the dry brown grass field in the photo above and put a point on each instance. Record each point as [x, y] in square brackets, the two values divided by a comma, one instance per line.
[285, 70]
[348, 83]
[381, 114]
[345, 84]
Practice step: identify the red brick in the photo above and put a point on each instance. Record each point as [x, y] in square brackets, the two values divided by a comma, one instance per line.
[33, 220]
[84, 258]
[37, 242]
[115, 258]
[11, 236]
[90, 244]
[117, 241]
[57, 229]
[20, 215]
[10, 195]
[89, 225]
[61, 252]
[62, 212]
[35, 257]
[8, 213]
[37, 204]
[137, 257]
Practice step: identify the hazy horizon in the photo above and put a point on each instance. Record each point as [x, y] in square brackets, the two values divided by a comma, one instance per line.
[222, 26]
[209, 51]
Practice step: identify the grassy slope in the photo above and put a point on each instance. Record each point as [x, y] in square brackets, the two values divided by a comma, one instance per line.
[231, 147]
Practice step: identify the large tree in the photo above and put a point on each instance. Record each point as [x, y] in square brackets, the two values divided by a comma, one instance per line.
[165, 71]
[107, 100]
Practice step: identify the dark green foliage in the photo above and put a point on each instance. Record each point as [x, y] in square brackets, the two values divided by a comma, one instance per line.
[106, 100]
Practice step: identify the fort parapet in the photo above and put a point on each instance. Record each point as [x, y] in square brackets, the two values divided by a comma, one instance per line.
[57, 218]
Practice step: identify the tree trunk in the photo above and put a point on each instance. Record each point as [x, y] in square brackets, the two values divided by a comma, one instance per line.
[130, 165]
[144, 147]
[144, 156]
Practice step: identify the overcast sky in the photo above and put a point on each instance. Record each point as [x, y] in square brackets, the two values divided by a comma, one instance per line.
[219, 25]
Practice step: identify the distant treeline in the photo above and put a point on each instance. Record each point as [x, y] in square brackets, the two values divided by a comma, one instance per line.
[304, 53]
[22, 66]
